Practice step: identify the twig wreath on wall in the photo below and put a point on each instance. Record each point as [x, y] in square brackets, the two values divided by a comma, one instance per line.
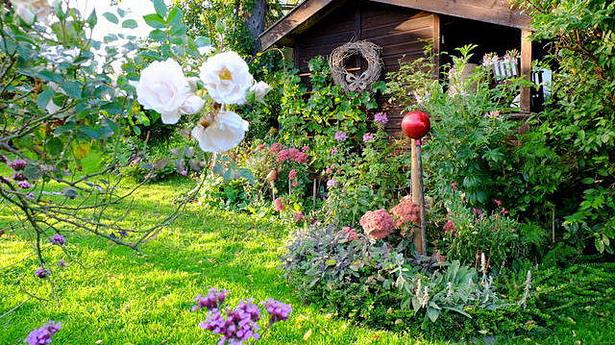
[348, 80]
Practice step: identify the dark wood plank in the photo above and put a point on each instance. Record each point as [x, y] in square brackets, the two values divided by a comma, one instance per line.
[490, 11]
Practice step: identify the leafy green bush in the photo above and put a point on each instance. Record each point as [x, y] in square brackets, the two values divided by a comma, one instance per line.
[579, 123]
[384, 285]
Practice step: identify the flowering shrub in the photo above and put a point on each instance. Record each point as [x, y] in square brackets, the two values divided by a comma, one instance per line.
[238, 325]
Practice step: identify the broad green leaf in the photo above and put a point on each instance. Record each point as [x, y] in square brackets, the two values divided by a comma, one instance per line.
[44, 98]
[160, 7]
[111, 17]
[130, 24]
[72, 89]
[154, 21]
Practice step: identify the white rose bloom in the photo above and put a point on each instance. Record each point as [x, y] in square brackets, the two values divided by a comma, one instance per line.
[192, 105]
[227, 78]
[32, 10]
[164, 88]
[221, 133]
[260, 89]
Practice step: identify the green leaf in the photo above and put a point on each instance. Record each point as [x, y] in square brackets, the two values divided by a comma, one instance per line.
[72, 89]
[130, 24]
[161, 7]
[111, 17]
[175, 16]
[433, 314]
[92, 19]
[54, 146]
[44, 98]
[154, 21]
[202, 41]
[157, 35]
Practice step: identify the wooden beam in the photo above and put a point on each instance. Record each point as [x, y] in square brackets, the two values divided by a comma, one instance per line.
[299, 15]
[526, 70]
[490, 11]
[437, 39]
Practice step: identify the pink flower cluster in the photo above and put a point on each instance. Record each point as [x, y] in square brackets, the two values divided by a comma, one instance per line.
[350, 233]
[450, 227]
[278, 205]
[292, 154]
[377, 224]
[406, 212]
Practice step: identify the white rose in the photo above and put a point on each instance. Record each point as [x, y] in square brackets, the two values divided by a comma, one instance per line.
[32, 10]
[227, 78]
[192, 105]
[260, 89]
[164, 88]
[221, 133]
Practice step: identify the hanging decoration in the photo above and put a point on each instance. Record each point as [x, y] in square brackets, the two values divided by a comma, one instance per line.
[349, 81]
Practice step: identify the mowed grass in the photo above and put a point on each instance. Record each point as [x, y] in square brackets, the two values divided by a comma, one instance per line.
[113, 295]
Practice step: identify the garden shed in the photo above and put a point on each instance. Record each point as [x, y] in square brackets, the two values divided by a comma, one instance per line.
[403, 28]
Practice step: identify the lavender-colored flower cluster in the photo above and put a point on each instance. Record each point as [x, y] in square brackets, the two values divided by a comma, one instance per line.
[381, 118]
[367, 137]
[240, 324]
[43, 335]
[58, 239]
[42, 272]
[17, 164]
[341, 136]
[213, 300]
[238, 327]
[24, 184]
[277, 310]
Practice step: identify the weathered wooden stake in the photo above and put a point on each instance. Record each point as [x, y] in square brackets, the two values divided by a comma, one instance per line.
[417, 195]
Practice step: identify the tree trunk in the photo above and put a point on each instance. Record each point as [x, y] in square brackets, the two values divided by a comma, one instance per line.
[256, 21]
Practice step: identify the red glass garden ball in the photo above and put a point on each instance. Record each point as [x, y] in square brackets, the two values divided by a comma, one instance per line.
[415, 124]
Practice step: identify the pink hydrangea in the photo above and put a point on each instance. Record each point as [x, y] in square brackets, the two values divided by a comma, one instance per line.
[450, 227]
[406, 212]
[292, 174]
[276, 147]
[292, 154]
[278, 204]
[351, 234]
[377, 224]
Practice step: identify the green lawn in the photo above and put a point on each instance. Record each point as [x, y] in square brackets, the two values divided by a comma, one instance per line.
[113, 295]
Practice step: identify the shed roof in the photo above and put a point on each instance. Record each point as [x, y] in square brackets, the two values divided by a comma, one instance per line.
[309, 12]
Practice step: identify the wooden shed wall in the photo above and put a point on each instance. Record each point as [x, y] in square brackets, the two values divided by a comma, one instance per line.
[399, 31]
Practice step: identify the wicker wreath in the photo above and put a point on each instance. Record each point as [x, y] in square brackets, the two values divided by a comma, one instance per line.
[349, 81]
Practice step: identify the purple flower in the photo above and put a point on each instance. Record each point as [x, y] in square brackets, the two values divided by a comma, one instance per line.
[239, 326]
[62, 263]
[58, 239]
[42, 336]
[277, 310]
[42, 272]
[19, 177]
[213, 300]
[123, 233]
[331, 183]
[24, 184]
[367, 137]
[333, 151]
[18, 164]
[341, 136]
[381, 118]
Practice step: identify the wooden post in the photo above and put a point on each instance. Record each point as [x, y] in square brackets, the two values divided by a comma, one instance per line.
[417, 195]
[526, 69]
